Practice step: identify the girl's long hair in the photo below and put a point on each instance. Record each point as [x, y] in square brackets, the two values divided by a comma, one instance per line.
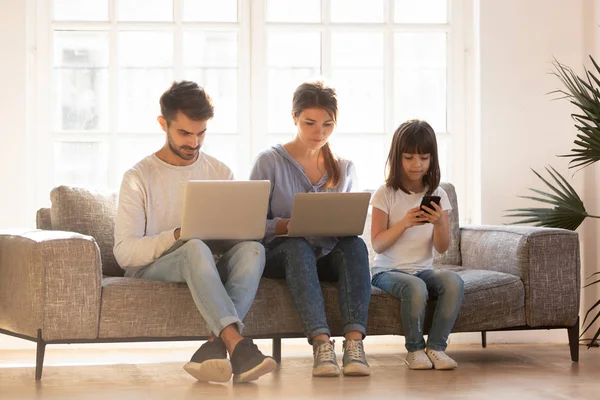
[413, 137]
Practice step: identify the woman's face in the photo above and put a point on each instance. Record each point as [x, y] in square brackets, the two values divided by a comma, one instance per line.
[315, 126]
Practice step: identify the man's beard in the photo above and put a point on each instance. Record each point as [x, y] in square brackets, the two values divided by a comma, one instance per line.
[179, 153]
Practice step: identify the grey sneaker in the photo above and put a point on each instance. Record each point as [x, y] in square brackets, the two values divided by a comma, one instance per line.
[248, 363]
[355, 360]
[210, 363]
[325, 361]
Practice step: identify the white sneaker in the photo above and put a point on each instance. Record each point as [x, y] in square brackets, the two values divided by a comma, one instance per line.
[441, 360]
[418, 360]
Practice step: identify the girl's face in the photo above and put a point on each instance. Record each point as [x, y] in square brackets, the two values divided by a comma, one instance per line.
[415, 166]
[315, 126]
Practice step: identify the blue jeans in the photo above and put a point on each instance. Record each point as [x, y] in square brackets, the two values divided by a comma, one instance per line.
[294, 260]
[223, 292]
[413, 292]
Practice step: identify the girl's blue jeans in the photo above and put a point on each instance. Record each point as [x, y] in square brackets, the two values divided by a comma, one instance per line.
[413, 292]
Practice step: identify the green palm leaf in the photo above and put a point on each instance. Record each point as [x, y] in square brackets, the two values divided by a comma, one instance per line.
[568, 211]
[584, 93]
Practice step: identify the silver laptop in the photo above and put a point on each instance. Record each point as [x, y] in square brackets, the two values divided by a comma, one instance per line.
[328, 214]
[225, 210]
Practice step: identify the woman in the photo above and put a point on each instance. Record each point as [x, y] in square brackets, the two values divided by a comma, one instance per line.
[306, 164]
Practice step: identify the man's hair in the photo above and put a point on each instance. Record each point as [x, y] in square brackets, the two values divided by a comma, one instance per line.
[189, 98]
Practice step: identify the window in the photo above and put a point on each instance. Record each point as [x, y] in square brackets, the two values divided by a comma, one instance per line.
[109, 61]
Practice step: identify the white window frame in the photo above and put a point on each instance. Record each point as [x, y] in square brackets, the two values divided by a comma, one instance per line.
[252, 81]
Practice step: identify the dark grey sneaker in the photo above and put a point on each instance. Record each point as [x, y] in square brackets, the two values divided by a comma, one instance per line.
[249, 363]
[209, 363]
[355, 360]
[325, 361]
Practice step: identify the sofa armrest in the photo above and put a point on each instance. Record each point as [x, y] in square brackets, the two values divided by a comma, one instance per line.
[49, 280]
[547, 261]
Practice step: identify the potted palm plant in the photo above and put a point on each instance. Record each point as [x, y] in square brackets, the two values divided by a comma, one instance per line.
[567, 210]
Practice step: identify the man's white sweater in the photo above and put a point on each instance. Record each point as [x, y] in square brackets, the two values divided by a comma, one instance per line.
[150, 207]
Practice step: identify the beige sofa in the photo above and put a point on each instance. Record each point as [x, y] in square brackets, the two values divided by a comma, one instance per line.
[59, 286]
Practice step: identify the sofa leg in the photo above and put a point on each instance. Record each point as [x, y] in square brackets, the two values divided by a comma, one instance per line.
[277, 350]
[483, 339]
[39, 360]
[573, 333]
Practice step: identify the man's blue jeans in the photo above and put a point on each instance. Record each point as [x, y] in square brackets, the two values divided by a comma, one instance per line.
[413, 292]
[294, 260]
[223, 292]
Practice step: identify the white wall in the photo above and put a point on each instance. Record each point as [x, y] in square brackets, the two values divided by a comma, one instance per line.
[521, 127]
[15, 149]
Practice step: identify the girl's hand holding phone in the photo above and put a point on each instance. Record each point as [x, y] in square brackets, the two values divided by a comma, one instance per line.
[433, 214]
[413, 217]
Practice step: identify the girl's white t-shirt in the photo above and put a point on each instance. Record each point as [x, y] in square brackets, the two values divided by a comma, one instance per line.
[413, 251]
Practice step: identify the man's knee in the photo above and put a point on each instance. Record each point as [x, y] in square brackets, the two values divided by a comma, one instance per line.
[250, 256]
[251, 249]
[197, 254]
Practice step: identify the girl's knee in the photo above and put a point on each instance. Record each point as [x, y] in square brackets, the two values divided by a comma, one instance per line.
[416, 291]
[453, 281]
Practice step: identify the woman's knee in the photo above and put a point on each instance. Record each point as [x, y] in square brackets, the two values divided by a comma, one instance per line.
[353, 251]
[353, 245]
[294, 249]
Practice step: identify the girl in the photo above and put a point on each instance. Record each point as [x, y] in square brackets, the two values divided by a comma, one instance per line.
[404, 235]
[306, 164]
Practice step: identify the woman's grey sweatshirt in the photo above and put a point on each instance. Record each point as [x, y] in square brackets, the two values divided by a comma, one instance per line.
[288, 178]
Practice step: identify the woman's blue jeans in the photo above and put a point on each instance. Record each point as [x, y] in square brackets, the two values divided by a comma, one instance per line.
[294, 260]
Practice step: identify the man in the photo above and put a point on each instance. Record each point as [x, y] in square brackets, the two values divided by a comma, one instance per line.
[147, 229]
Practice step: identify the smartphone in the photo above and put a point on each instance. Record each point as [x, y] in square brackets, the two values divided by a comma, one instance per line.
[427, 202]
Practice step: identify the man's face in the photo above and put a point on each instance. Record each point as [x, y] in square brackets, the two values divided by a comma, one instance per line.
[184, 136]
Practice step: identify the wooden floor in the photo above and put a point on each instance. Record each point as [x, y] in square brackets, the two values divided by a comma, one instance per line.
[498, 372]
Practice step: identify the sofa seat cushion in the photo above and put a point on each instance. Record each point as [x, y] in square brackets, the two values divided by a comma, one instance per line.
[134, 307]
[493, 300]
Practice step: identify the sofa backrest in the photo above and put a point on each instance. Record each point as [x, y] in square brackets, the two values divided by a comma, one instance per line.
[93, 213]
[452, 255]
[89, 213]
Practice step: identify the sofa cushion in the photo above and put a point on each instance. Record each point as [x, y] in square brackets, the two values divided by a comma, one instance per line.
[89, 213]
[493, 300]
[134, 307]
